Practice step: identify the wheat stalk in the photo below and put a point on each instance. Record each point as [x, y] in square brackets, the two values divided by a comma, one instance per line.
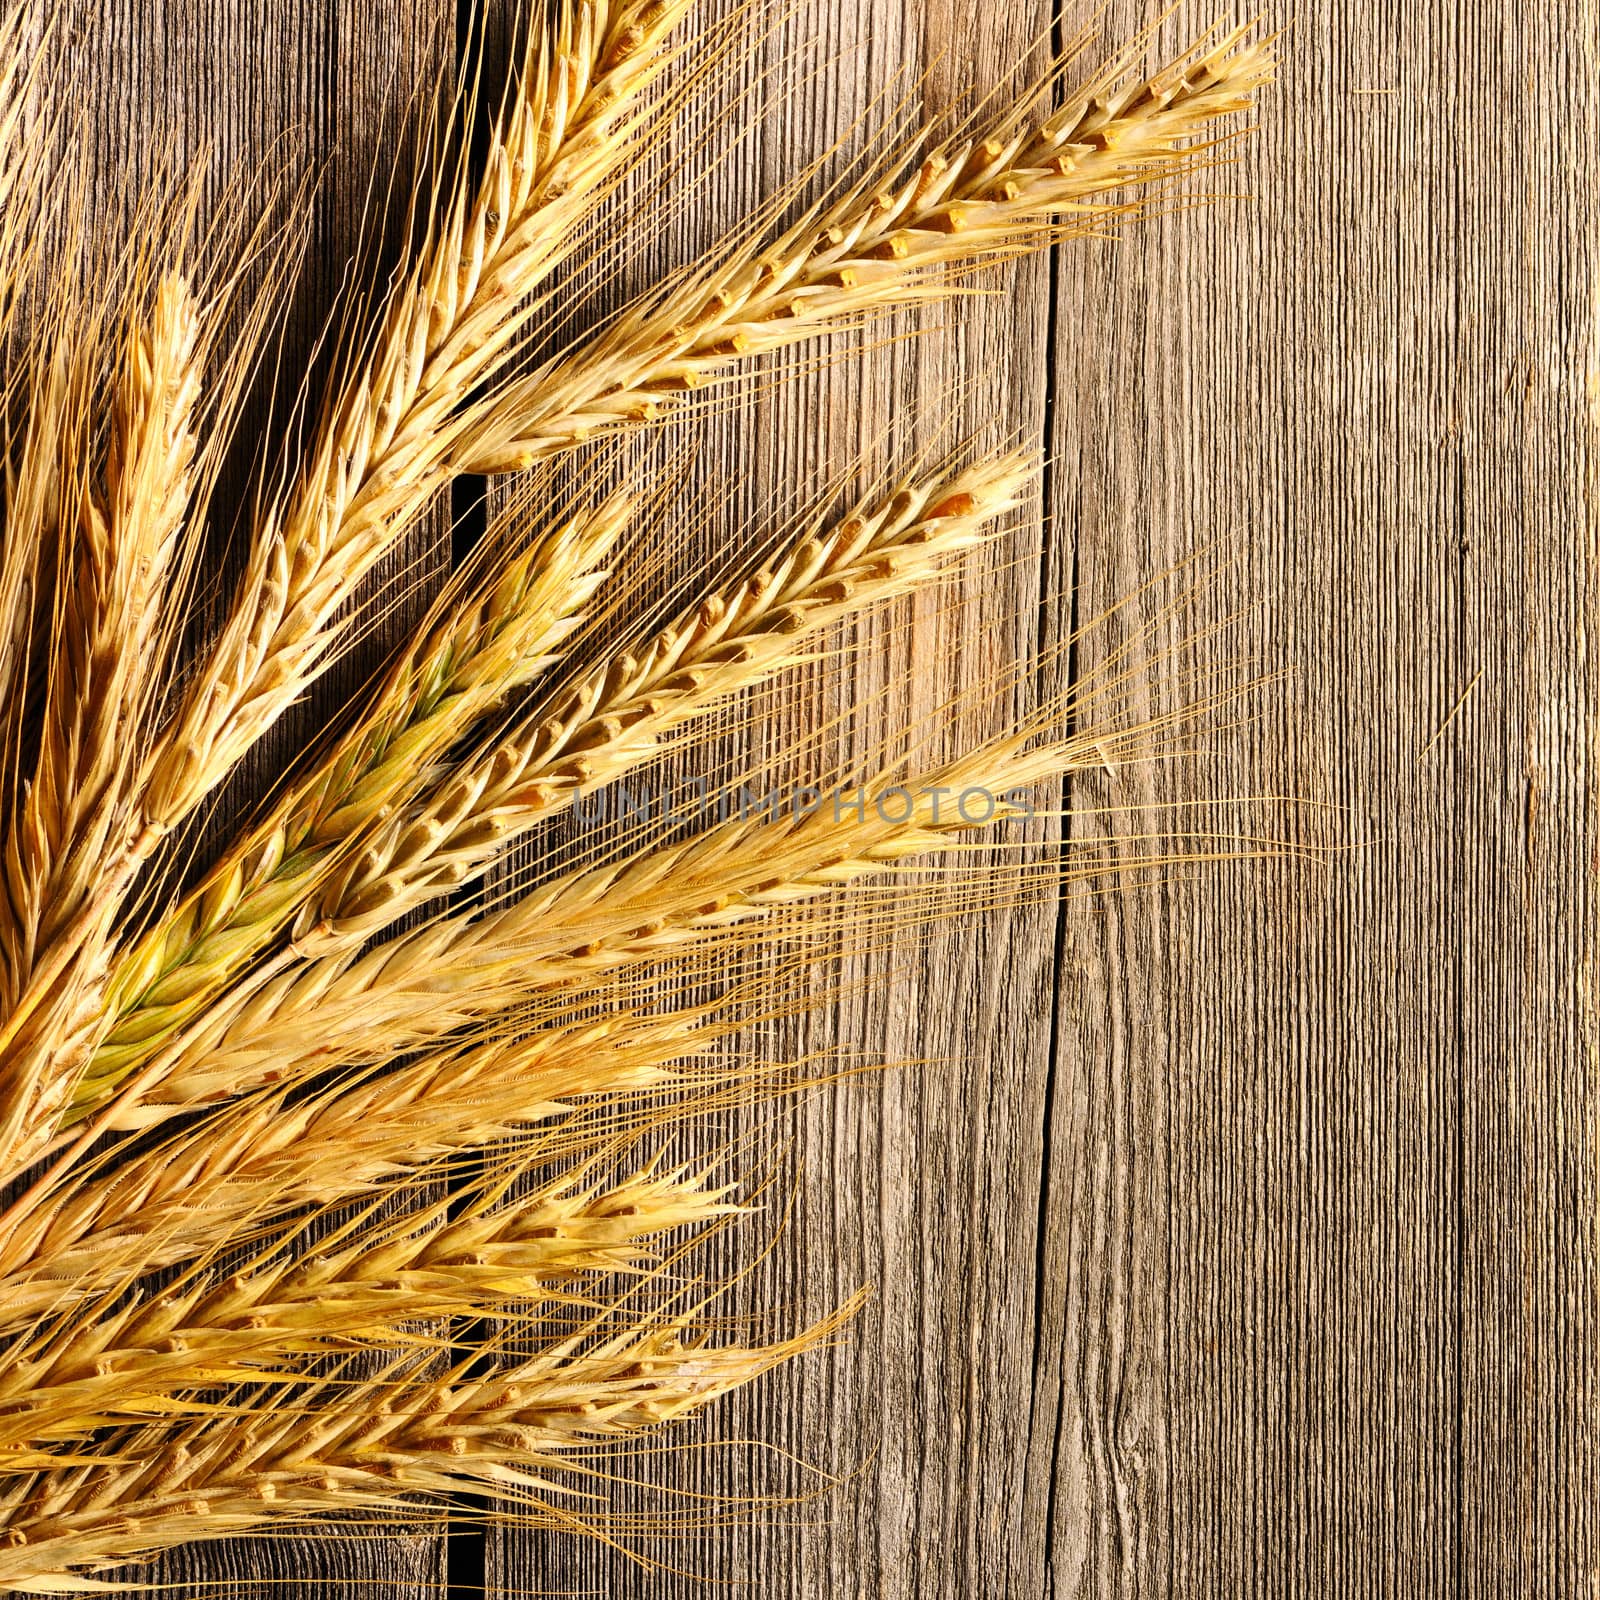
[598, 728]
[377, 456]
[154, 1357]
[26, 189]
[501, 633]
[14, 52]
[125, 532]
[270, 1154]
[461, 968]
[275, 1466]
[617, 717]
[118, 537]
[1009, 189]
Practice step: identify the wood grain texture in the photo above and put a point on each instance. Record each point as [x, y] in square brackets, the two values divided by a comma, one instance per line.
[1239, 1235]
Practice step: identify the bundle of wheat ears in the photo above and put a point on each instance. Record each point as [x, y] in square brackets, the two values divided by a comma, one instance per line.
[336, 1151]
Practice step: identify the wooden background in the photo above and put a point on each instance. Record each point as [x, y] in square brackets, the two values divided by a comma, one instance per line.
[1241, 1239]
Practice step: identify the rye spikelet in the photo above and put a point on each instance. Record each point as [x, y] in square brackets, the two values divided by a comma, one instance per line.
[463, 968]
[613, 719]
[379, 1445]
[114, 535]
[124, 536]
[270, 1153]
[378, 454]
[588, 734]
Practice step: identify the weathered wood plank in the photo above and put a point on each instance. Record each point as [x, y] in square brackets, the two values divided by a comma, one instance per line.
[924, 1184]
[1262, 1260]
[1263, 1236]
[1320, 1135]
[1526, 443]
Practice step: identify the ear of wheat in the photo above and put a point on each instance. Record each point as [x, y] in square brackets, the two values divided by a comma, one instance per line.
[216, 1084]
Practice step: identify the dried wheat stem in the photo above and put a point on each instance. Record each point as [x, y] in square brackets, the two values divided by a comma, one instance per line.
[379, 453]
[464, 966]
[605, 723]
[269, 1154]
[29, 461]
[500, 634]
[366, 1447]
[362, 1285]
[380, 450]
[36, 496]
[123, 535]
[984, 199]
[617, 716]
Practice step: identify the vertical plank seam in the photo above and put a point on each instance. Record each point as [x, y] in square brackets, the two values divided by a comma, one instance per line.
[1458, 1143]
[466, 1568]
[1047, 545]
[1458, 1153]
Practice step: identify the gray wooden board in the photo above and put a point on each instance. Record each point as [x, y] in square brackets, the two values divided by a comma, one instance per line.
[1237, 1235]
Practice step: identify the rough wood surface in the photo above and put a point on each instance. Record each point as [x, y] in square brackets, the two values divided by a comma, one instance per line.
[1239, 1236]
